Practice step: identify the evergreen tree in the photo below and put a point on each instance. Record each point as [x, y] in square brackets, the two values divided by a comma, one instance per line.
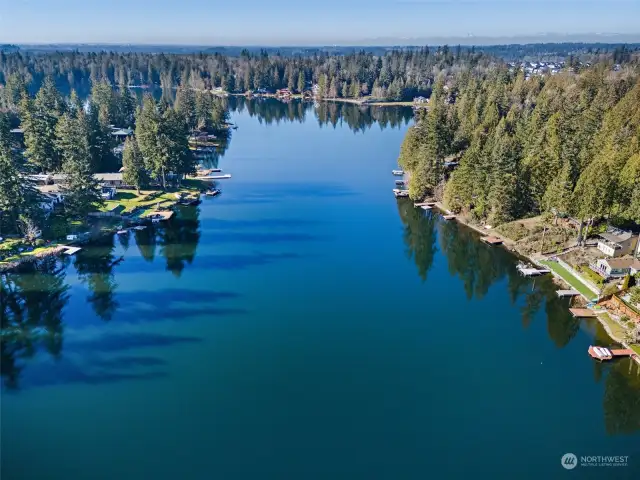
[135, 172]
[301, 82]
[39, 119]
[185, 105]
[80, 188]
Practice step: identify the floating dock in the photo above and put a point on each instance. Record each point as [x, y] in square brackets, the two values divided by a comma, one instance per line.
[492, 240]
[603, 353]
[582, 312]
[163, 215]
[71, 250]
[426, 207]
[529, 271]
[567, 293]
[449, 217]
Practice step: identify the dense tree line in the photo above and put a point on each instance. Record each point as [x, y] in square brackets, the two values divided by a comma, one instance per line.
[564, 144]
[64, 134]
[396, 74]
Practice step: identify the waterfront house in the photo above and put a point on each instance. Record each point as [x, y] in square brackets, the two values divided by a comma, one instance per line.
[51, 197]
[121, 133]
[617, 243]
[110, 179]
[617, 267]
[108, 193]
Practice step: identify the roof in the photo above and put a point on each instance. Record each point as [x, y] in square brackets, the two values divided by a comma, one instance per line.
[104, 177]
[17, 130]
[49, 188]
[122, 131]
[623, 262]
[616, 236]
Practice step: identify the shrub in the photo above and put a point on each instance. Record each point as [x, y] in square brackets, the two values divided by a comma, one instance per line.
[610, 289]
[40, 242]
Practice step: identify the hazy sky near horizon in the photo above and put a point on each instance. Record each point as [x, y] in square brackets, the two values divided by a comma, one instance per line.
[288, 22]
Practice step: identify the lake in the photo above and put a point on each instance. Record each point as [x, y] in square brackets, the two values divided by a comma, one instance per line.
[304, 325]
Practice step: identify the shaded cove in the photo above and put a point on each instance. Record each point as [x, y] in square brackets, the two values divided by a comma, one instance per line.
[303, 324]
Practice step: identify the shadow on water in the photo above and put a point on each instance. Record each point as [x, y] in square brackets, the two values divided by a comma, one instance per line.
[480, 266]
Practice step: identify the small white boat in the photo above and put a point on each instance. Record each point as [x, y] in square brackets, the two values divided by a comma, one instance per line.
[140, 227]
[216, 177]
[397, 172]
[212, 193]
[122, 232]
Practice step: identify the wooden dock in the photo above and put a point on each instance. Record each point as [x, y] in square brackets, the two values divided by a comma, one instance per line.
[160, 215]
[582, 312]
[492, 240]
[603, 353]
[567, 293]
[400, 193]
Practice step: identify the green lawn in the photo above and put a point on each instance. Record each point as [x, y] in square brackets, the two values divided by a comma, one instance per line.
[636, 348]
[570, 279]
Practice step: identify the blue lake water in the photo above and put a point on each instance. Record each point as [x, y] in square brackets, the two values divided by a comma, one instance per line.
[304, 325]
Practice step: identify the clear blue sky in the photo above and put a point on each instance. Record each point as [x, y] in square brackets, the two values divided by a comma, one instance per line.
[303, 22]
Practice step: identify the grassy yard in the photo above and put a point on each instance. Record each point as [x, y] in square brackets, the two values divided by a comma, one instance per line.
[636, 348]
[129, 200]
[570, 279]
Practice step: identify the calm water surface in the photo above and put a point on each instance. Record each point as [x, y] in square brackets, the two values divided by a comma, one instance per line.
[304, 325]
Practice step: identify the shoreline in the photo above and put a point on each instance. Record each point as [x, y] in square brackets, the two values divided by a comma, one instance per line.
[354, 101]
[509, 244]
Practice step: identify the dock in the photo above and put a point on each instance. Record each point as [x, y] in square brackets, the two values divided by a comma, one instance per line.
[215, 177]
[530, 271]
[425, 204]
[567, 293]
[603, 353]
[400, 193]
[492, 240]
[160, 215]
[397, 173]
[449, 217]
[582, 312]
[71, 250]
[426, 207]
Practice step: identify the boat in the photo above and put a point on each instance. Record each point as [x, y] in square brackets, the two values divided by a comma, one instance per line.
[122, 232]
[216, 177]
[139, 227]
[400, 183]
[397, 172]
[212, 193]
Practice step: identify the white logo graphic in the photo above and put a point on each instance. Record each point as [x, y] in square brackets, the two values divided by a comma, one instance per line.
[569, 461]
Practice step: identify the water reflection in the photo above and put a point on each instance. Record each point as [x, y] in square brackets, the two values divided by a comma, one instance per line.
[358, 118]
[480, 266]
[33, 298]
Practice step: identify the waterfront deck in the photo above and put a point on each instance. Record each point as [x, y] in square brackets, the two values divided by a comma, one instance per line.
[160, 215]
[400, 193]
[603, 353]
[567, 293]
[582, 312]
[492, 240]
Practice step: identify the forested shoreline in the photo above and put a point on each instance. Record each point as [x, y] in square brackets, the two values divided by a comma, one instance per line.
[499, 147]
[396, 75]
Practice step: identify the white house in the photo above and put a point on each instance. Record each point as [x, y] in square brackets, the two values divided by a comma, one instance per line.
[617, 267]
[616, 243]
